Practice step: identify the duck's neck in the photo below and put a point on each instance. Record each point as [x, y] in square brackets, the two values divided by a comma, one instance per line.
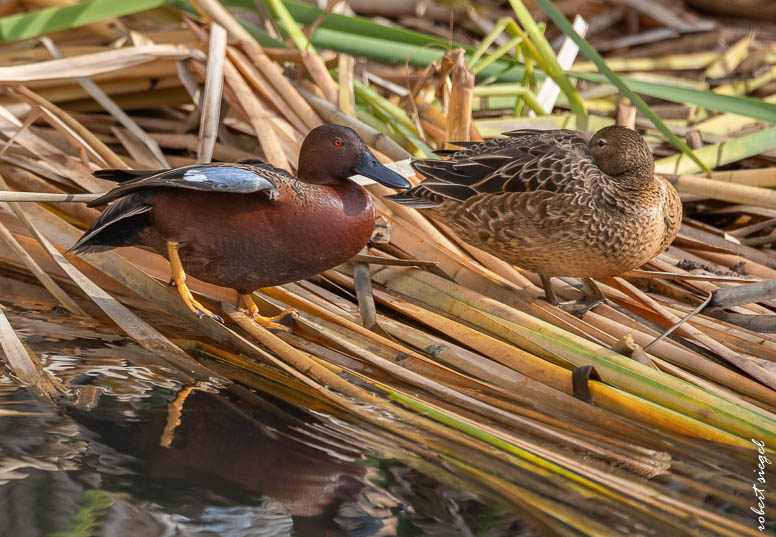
[637, 178]
[310, 173]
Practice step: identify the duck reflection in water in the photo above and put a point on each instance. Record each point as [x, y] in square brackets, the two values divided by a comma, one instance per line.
[238, 451]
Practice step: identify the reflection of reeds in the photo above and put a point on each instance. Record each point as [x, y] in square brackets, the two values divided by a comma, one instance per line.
[465, 370]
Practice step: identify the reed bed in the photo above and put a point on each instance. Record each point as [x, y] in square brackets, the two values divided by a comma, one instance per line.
[584, 426]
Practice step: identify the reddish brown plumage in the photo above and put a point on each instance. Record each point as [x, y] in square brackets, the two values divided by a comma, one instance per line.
[246, 241]
[249, 225]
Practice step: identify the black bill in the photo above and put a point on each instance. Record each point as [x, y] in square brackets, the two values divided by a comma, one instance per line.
[370, 167]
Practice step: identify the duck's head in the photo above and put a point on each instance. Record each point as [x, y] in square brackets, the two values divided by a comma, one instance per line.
[620, 151]
[333, 153]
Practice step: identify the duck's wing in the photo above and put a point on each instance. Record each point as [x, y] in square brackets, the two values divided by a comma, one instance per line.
[241, 178]
[524, 161]
[118, 225]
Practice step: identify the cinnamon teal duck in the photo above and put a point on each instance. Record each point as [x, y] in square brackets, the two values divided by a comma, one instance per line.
[247, 225]
[553, 203]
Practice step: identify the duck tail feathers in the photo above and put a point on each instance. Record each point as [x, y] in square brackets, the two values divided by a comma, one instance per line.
[412, 201]
[119, 176]
[103, 235]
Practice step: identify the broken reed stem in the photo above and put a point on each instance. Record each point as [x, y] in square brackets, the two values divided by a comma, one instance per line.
[363, 286]
[93, 64]
[255, 79]
[312, 61]
[211, 98]
[626, 116]
[24, 366]
[459, 111]
[347, 96]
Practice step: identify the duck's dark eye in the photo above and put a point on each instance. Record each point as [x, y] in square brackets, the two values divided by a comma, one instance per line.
[338, 142]
[601, 143]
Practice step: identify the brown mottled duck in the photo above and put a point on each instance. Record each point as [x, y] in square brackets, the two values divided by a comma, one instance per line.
[553, 203]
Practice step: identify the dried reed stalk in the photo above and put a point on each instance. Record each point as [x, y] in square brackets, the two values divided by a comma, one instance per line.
[211, 98]
[215, 11]
[459, 109]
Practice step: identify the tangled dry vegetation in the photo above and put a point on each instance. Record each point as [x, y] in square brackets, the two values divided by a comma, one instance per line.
[440, 350]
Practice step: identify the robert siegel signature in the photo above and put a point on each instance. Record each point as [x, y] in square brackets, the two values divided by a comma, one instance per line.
[759, 493]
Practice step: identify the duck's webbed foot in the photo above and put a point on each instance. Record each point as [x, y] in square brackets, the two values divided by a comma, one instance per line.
[179, 278]
[283, 321]
[593, 297]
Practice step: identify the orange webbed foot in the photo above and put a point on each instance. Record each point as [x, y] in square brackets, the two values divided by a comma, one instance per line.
[283, 321]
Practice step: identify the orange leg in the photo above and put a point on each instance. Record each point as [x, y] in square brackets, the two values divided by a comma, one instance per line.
[174, 411]
[281, 321]
[179, 277]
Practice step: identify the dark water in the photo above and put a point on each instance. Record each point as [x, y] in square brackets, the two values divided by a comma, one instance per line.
[236, 465]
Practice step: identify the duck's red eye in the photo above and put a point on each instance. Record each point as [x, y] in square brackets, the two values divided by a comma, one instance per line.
[338, 142]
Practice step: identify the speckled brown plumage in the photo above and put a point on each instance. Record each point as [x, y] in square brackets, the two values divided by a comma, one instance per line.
[552, 203]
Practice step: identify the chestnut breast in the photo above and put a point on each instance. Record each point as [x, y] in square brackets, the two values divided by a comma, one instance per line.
[247, 241]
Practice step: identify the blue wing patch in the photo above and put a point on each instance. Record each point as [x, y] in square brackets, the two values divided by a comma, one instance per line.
[227, 179]
[214, 178]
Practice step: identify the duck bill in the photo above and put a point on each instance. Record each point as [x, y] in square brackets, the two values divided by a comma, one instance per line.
[370, 167]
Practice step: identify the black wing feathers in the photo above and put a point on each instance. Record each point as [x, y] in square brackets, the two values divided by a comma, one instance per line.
[103, 235]
[119, 176]
[524, 161]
